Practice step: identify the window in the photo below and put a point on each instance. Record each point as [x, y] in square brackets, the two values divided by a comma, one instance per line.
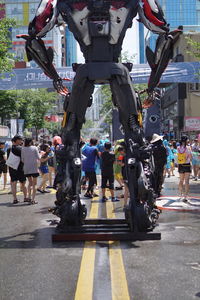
[193, 87]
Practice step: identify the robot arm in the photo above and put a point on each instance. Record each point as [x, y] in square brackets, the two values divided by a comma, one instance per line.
[151, 15]
[44, 21]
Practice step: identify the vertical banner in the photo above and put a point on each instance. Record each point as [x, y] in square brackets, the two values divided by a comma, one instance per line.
[13, 127]
[152, 120]
[116, 126]
[20, 126]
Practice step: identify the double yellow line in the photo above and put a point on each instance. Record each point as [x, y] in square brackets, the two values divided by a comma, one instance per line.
[119, 286]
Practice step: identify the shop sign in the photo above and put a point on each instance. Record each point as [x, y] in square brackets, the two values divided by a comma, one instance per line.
[192, 123]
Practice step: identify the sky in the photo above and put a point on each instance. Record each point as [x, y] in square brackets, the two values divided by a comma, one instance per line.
[130, 43]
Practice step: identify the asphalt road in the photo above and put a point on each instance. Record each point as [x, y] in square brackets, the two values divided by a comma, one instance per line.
[34, 268]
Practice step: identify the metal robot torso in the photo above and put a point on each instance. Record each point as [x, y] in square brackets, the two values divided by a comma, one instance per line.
[99, 26]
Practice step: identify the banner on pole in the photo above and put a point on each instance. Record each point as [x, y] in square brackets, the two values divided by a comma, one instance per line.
[20, 126]
[13, 127]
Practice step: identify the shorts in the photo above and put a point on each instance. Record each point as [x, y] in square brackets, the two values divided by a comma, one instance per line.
[118, 176]
[195, 161]
[16, 175]
[110, 179]
[184, 168]
[44, 169]
[3, 169]
[32, 175]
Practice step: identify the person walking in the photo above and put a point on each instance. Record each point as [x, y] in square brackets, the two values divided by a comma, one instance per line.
[195, 158]
[3, 166]
[91, 153]
[169, 158]
[15, 165]
[107, 174]
[51, 164]
[184, 168]
[30, 157]
[160, 159]
[44, 169]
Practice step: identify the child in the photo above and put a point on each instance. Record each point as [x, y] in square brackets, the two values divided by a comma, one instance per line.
[44, 169]
[118, 167]
[107, 173]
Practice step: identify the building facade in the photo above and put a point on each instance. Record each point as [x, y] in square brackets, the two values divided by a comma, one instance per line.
[181, 101]
[179, 12]
[23, 11]
[71, 48]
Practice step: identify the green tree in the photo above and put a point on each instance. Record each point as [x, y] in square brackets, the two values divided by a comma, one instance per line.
[194, 51]
[54, 128]
[85, 131]
[40, 101]
[195, 48]
[30, 105]
[7, 104]
[6, 58]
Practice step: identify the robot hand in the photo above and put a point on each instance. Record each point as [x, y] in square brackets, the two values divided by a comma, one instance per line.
[60, 88]
[37, 51]
[151, 98]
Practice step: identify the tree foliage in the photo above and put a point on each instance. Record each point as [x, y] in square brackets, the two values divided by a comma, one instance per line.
[86, 128]
[39, 102]
[6, 58]
[195, 48]
[30, 105]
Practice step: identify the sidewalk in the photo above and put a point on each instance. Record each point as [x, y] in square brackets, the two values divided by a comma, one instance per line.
[170, 199]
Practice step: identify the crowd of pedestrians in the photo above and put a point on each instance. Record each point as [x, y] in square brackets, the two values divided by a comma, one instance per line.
[25, 162]
[169, 156]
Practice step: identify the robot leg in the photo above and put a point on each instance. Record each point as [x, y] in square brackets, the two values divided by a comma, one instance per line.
[124, 97]
[69, 207]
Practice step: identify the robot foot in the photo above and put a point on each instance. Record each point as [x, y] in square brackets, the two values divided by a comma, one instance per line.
[142, 218]
[70, 211]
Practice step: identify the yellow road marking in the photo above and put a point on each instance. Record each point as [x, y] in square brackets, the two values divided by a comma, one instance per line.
[118, 276]
[19, 193]
[84, 288]
[52, 191]
[5, 191]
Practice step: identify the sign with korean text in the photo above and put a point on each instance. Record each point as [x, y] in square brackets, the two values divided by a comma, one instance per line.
[192, 123]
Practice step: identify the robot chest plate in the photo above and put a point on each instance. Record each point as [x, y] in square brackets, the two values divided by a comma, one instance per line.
[94, 23]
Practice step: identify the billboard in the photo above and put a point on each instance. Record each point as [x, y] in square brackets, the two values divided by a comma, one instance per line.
[35, 78]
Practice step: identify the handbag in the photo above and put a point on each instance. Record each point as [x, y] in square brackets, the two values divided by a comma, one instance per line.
[13, 161]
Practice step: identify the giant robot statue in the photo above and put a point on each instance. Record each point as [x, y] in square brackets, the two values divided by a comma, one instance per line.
[99, 26]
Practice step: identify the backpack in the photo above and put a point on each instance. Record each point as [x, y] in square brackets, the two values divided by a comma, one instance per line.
[181, 158]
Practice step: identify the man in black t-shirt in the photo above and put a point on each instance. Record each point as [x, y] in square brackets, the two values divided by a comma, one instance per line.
[160, 159]
[107, 174]
[3, 166]
[17, 175]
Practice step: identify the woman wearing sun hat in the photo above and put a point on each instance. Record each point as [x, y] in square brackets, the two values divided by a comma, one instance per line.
[160, 159]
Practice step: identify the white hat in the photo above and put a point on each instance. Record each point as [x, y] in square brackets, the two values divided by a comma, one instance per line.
[156, 138]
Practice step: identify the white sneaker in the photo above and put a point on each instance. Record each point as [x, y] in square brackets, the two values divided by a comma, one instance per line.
[180, 196]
